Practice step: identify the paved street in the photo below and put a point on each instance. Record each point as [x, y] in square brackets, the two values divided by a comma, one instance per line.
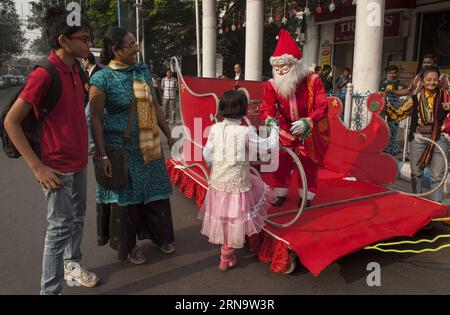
[193, 268]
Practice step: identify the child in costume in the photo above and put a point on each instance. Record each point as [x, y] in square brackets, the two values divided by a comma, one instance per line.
[236, 202]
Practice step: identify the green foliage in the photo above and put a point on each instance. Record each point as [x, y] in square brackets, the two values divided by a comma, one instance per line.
[101, 15]
[24, 61]
[11, 36]
[169, 31]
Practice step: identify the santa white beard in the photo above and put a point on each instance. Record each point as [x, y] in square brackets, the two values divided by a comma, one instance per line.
[287, 84]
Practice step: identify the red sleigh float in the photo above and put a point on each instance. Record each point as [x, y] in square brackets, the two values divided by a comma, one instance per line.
[353, 207]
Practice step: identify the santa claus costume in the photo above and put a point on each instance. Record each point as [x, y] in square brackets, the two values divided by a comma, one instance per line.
[296, 99]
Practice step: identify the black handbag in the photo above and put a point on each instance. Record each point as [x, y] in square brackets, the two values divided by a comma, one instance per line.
[118, 158]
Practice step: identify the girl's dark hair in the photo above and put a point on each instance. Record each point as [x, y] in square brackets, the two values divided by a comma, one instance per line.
[113, 39]
[55, 24]
[429, 70]
[233, 104]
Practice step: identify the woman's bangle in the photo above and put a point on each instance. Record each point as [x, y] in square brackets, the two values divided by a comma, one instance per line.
[104, 157]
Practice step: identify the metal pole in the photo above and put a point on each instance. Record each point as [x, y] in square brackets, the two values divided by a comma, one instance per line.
[137, 27]
[348, 105]
[197, 27]
[118, 12]
[143, 36]
[334, 203]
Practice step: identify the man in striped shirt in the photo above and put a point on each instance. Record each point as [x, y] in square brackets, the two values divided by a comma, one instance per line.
[169, 87]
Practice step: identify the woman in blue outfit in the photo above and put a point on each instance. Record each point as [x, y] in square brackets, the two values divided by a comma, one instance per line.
[142, 209]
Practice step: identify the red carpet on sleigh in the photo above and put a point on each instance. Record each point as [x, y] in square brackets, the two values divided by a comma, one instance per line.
[321, 236]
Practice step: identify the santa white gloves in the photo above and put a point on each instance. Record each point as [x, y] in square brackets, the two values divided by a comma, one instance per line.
[298, 127]
[301, 127]
[271, 122]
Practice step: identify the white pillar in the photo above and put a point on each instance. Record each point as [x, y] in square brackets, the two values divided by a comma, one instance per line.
[311, 47]
[209, 38]
[254, 40]
[368, 45]
[412, 36]
[197, 34]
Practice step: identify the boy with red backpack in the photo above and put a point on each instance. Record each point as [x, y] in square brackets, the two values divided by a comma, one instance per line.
[59, 159]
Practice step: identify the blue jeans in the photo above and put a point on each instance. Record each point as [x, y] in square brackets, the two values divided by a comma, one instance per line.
[437, 167]
[66, 209]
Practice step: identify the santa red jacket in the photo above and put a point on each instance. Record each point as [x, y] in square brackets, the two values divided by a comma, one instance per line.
[311, 102]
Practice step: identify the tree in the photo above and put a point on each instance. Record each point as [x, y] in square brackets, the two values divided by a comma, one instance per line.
[231, 43]
[39, 46]
[11, 36]
[169, 31]
[101, 15]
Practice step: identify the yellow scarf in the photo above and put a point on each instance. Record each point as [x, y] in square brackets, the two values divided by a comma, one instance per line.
[149, 141]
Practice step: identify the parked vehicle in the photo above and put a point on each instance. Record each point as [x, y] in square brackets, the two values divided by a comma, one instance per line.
[3, 83]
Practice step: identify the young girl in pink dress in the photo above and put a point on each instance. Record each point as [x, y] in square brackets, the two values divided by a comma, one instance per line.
[236, 202]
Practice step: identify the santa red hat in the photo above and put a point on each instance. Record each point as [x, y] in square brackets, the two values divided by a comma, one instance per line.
[286, 48]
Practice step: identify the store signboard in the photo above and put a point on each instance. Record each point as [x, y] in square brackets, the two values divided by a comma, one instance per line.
[325, 54]
[345, 31]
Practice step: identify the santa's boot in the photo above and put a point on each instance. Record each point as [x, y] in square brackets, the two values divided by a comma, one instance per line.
[307, 205]
[281, 194]
[279, 201]
[227, 258]
[309, 198]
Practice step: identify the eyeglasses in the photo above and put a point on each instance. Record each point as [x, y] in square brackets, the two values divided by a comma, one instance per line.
[282, 68]
[132, 46]
[85, 39]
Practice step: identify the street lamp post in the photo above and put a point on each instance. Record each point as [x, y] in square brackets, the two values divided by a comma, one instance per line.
[138, 6]
[143, 34]
[137, 25]
[118, 12]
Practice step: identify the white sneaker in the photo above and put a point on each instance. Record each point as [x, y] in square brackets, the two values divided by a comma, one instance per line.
[136, 256]
[77, 275]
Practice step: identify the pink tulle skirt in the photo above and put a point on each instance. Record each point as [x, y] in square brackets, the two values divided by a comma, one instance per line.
[228, 217]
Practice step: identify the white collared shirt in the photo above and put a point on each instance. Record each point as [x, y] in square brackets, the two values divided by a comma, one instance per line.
[92, 69]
